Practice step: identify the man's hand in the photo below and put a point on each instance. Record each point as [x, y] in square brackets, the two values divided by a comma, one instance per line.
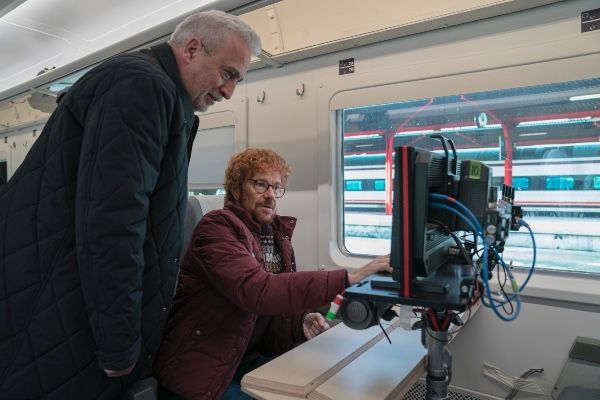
[313, 325]
[122, 372]
[379, 264]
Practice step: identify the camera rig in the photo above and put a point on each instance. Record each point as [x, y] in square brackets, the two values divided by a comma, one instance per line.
[436, 199]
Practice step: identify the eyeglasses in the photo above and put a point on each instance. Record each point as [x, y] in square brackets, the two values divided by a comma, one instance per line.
[262, 186]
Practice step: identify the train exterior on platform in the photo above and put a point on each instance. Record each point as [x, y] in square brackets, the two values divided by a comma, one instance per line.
[542, 140]
[560, 187]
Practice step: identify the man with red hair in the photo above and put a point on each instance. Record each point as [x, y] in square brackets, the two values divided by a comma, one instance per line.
[239, 296]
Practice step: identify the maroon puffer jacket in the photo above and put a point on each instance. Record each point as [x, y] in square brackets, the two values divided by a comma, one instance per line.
[222, 289]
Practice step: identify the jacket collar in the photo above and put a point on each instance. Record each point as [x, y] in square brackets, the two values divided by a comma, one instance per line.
[283, 224]
[164, 54]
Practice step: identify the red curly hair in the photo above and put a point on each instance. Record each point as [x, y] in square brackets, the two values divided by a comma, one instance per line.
[246, 163]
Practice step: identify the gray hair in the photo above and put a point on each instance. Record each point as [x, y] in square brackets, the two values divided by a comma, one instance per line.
[213, 27]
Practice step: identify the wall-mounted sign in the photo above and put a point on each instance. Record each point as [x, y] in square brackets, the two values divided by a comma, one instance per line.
[590, 20]
[347, 66]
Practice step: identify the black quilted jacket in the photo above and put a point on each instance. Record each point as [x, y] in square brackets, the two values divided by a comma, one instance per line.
[91, 230]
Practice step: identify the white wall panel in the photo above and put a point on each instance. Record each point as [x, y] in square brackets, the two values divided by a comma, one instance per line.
[540, 338]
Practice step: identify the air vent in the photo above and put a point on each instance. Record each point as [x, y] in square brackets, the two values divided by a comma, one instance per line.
[418, 391]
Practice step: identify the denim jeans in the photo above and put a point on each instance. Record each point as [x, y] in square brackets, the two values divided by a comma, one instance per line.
[234, 390]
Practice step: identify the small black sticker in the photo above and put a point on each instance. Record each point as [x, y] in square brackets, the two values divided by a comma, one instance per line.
[347, 66]
[590, 20]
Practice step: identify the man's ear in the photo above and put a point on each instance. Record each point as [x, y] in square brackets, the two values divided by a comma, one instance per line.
[192, 49]
[235, 192]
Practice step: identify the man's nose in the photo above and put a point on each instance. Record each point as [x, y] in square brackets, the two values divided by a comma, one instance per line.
[228, 88]
[270, 192]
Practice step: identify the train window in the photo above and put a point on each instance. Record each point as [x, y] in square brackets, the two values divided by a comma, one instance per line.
[212, 149]
[354, 185]
[542, 140]
[519, 183]
[215, 144]
[560, 183]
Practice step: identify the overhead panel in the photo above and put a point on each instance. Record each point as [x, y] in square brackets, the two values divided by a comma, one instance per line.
[52, 33]
[65, 38]
[90, 28]
[18, 60]
[71, 19]
[275, 44]
[309, 28]
[7, 6]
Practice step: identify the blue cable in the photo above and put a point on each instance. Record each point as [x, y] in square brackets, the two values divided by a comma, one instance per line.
[509, 272]
[526, 225]
[488, 291]
[444, 206]
[479, 231]
[452, 200]
[520, 221]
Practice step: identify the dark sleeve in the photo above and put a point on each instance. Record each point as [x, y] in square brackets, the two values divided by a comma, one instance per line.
[283, 333]
[223, 257]
[193, 132]
[125, 136]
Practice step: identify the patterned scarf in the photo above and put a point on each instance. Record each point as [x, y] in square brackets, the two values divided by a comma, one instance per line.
[270, 251]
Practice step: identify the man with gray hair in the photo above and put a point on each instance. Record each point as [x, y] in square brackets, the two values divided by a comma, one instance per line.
[92, 220]
[221, 37]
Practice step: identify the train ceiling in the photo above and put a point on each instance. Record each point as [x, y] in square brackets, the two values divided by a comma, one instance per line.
[63, 36]
[45, 34]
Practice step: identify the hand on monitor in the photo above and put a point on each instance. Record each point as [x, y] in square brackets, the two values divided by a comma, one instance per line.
[379, 264]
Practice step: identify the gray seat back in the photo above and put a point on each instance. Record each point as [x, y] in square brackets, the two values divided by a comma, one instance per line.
[197, 206]
[192, 216]
[211, 202]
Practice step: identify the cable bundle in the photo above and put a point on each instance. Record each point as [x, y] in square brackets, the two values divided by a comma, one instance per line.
[452, 205]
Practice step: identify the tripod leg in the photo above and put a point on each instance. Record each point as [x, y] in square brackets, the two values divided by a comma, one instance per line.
[438, 365]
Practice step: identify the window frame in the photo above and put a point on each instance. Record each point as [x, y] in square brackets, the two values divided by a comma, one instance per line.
[233, 114]
[378, 88]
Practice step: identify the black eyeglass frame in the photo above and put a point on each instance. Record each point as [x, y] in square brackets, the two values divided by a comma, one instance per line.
[260, 191]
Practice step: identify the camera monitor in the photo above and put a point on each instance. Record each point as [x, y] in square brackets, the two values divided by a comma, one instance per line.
[419, 242]
[427, 269]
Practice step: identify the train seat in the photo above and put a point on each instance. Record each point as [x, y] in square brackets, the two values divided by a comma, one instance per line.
[192, 216]
[210, 202]
[197, 206]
